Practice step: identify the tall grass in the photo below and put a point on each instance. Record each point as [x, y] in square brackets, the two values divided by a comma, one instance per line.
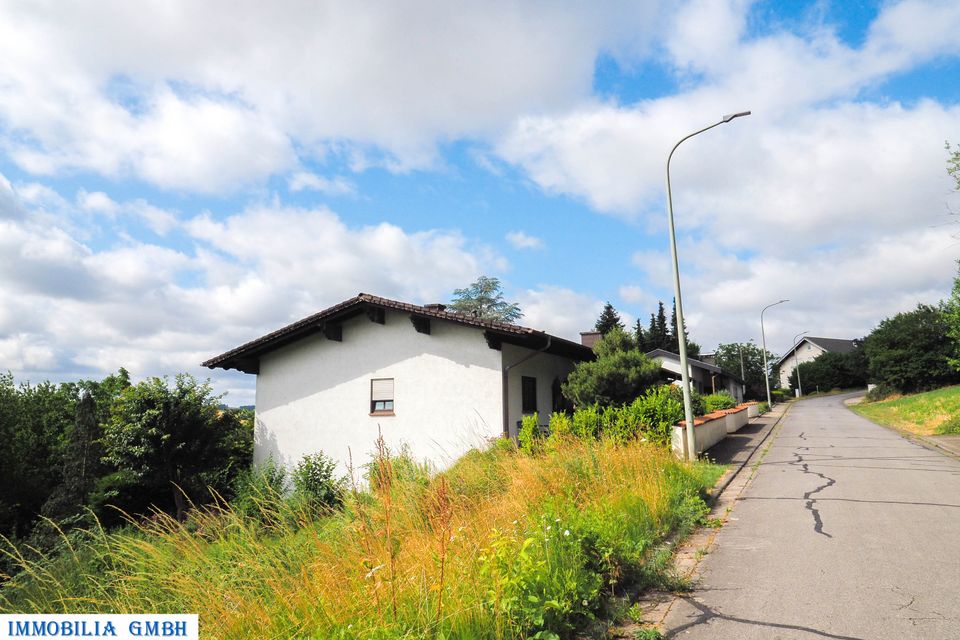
[502, 545]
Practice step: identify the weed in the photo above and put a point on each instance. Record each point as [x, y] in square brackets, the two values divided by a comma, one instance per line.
[635, 613]
[502, 545]
[648, 633]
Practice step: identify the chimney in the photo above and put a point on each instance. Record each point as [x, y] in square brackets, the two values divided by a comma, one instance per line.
[436, 306]
[589, 338]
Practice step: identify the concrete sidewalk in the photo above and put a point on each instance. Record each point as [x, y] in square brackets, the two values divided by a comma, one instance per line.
[847, 531]
[738, 446]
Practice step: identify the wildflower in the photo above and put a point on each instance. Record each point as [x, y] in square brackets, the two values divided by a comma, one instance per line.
[548, 527]
[566, 532]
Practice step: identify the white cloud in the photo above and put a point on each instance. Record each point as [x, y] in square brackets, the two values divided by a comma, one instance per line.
[214, 96]
[158, 220]
[97, 202]
[833, 292]
[523, 240]
[560, 311]
[637, 295]
[71, 309]
[821, 192]
[337, 186]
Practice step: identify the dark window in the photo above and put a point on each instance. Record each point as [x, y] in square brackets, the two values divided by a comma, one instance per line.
[528, 388]
[381, 396]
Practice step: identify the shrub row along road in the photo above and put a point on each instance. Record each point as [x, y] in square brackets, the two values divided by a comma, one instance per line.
[848, 530]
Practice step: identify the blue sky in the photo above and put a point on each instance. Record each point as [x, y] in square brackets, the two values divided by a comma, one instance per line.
[176, 180]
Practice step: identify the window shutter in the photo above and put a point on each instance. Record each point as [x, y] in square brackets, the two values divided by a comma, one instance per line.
[381, 389]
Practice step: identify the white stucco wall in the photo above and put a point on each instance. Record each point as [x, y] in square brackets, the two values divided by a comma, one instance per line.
[806, 352]
[314, 394]
[545, 368]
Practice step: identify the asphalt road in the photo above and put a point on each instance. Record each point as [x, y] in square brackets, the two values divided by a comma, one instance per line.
[848, 530]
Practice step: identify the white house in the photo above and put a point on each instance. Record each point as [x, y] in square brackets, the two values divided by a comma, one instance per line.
[437, 381]
[808, 350]
[706, 378]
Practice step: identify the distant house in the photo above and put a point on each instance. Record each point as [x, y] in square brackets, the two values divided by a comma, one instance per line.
[706, 378]
[808, 350]
[436, 381]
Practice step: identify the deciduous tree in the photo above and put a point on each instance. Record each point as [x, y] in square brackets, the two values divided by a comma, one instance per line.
[484, 299]
[911, 351]
[176, 439]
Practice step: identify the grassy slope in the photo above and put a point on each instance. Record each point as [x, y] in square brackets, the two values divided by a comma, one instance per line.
[501, 546]
[922, 413]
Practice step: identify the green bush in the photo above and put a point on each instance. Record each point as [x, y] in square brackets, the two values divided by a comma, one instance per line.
[950, 427]
[718, 401]
[880, 392]
[696, 400]
[529, 438]
[763, 407]
[658, 410]
[781, 395]
[561, 427]
[587, 421]
[619, 424]
[259, 493]
[315, 485]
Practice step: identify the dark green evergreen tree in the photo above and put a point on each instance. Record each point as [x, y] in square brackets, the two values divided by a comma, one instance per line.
[652, 333]
[609, 318]
[663, 333]
[693, 349]
[81, 463]
[640, 336]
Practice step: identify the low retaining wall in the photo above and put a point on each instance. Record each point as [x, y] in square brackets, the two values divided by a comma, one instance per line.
[713, 427]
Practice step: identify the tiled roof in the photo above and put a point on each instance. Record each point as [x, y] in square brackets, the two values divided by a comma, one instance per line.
[240, 357]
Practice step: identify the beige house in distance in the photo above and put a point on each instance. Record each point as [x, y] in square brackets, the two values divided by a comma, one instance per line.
[808, 350]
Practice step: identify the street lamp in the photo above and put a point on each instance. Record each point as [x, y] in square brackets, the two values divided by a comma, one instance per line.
[763, 336]
[681, 337]
[796, 362]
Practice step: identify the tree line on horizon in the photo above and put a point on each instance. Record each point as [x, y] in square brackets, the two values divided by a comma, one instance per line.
[76, 454]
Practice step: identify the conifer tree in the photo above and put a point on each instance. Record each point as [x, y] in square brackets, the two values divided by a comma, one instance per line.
[81, 463]
[640, 336]
[609, 318]
[693, 349]
[662, 335]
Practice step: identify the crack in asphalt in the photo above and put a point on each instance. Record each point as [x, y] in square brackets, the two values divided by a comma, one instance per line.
[810, 501]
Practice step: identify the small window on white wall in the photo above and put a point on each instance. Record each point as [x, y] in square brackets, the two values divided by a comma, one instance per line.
[381, 397]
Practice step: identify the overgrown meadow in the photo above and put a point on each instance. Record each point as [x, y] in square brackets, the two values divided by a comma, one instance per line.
[506, 544]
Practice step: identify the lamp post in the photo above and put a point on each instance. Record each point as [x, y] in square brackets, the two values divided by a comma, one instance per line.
[796, 362]
[763, 337]
[681, 338]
